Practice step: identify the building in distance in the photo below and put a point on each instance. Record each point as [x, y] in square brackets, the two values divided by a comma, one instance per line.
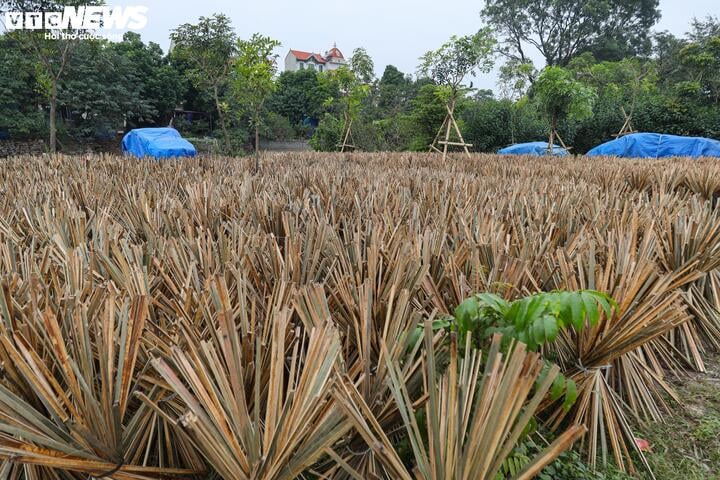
[299, 60]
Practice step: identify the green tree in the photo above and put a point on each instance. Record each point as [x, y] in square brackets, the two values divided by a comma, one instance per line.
[347, 103]
[491, 124]
[561, 29]
[449, 65]
[208, 48]
[427, 111]
[51, 56]
[684, 101]
[299, 95]
[666, 57]
[99, 90]
[362, 65]
[161, 86]
[394, 91]
[701, 62]
[110, 85]
[620, 87]
[515, 78]
[18, 96]
[704, 29]
[561, 97]
[328, 133]
[252, 80]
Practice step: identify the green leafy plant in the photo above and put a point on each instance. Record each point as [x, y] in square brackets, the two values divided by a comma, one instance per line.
[349, 92]
[208, 49]
[560, 96]
[252, 80]
[533, 320]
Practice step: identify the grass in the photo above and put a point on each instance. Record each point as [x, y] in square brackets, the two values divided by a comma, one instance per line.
[570, 466]
[687, 446]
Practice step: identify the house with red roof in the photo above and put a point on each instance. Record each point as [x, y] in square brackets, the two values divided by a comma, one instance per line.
[299, 60]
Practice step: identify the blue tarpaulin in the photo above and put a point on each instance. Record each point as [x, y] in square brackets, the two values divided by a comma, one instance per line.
[532, 148]
[657, 145]
[157, 143]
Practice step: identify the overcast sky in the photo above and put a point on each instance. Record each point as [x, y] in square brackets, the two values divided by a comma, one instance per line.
[394, 32]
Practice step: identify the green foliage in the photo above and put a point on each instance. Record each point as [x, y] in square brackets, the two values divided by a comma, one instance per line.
[158, 84]
[103, 86]
[533, 320]
[49, 56]
[394, 91]
[620, 86]
[327, 135]
[362, 65]
[300, 95]
[343, 106]
[623, 81]
[687, 444]
[491, 124]
[426, 113]
[560, 96]
[109, 83]
[277, 127]
[516, 77]
[459, 57]
[208, 48]
[99, 90]
[349, 91]
[570, 466]
[702, 63]
[562, 29]
[252, 78]
[515, 462]
[18, 103]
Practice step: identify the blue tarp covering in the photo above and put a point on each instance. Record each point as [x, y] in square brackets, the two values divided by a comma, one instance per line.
[657, 145]
[532, 148]
[157, 143]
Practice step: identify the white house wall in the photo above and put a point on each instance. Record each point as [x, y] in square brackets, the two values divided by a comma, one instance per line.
[292, 64]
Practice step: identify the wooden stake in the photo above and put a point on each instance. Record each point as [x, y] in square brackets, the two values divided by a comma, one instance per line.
[554, 133]
[448, 125]
[627, 128]
[457, 130]
[347, 135]
[561, 141]
[437, 135]
[447, 135]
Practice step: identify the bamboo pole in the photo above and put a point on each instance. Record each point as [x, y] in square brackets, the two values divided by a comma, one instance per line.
[449, 124]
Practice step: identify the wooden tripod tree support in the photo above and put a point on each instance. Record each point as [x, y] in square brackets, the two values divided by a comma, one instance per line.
[627, 127]
[449, 124]
[551, 143]
[347, 135]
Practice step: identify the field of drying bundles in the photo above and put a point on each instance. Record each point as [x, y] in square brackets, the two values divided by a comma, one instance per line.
[187, 319]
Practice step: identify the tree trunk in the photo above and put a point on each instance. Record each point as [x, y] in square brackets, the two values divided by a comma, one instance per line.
[221, 118]
[553, 129]
[53, 119]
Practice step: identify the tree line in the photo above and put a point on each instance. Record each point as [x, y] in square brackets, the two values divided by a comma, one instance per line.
[605, 72]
